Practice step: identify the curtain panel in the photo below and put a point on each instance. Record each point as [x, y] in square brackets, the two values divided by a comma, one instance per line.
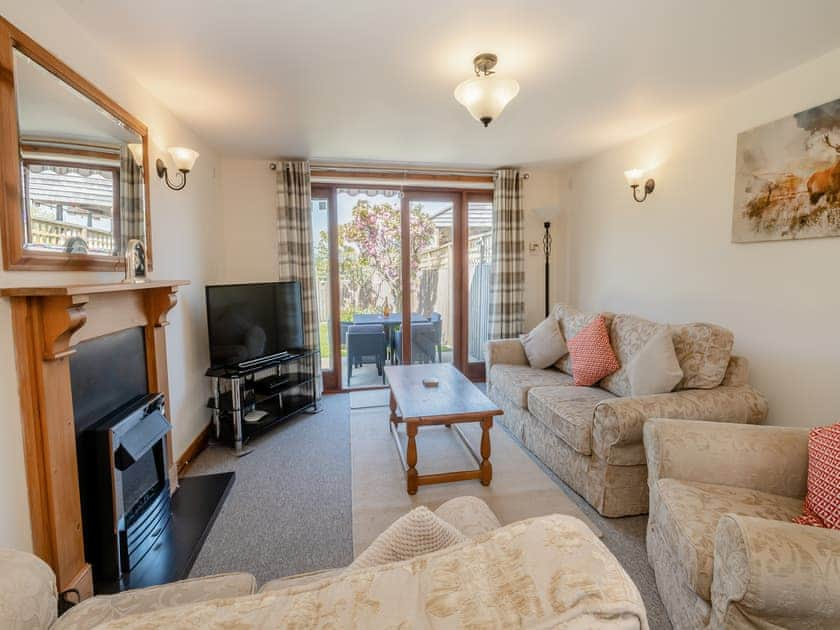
[294, 234]
[507, 276]
[132, 211]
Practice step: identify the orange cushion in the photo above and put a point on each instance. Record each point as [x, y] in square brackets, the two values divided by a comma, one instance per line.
[822, 502]
[592, 355]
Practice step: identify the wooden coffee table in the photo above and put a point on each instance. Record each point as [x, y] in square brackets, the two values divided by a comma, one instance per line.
[455, 400]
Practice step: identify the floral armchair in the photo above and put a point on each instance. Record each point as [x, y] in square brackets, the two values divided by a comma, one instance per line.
[720, 537]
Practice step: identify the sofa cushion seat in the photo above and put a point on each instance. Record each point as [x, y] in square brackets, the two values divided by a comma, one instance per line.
[514, 381]
[687, 514]
[567, 412]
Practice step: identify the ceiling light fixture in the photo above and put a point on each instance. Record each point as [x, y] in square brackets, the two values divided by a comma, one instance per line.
[486, 95]
[184, 160]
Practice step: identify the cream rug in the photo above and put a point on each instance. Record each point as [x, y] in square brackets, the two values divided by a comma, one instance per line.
[519, 490]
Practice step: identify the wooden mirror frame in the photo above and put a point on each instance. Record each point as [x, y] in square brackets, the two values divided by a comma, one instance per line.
[16, 257]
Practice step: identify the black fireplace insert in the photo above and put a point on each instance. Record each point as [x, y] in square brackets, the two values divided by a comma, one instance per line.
[128, 498]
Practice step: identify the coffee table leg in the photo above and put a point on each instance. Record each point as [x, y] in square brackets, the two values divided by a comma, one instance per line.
[411, 458]
[393, 404]
[486, 467]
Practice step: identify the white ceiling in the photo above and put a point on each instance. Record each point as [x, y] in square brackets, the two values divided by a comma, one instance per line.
[373, 79]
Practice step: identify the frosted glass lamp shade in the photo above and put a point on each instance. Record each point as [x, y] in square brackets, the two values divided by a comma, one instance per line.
[183, 158]
[634, 176]
[486, 96]
[136, 152]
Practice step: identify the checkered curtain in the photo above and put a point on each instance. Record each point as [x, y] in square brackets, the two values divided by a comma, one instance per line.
[132, 212]
[507, 276]
[294, 226]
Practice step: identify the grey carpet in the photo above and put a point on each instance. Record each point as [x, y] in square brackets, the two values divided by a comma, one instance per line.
[290, 508]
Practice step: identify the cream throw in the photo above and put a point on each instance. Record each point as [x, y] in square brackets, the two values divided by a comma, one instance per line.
[418, 532]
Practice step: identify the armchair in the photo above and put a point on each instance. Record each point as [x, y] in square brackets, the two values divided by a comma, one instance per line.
[719, 536]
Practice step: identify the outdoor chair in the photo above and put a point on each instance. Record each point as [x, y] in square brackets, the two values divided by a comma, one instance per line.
[422, 343]
[437, 322]
[366, 343]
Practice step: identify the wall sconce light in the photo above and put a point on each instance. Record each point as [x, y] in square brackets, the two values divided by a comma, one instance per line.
[184, 160]
[634, 178]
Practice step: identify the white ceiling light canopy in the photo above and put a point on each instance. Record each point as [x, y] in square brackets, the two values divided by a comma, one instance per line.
[486, 95]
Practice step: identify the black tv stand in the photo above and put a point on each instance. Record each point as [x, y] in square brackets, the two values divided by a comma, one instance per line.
[276, 389]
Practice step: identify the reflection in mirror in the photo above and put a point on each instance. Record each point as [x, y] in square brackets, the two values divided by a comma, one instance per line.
[81, 168]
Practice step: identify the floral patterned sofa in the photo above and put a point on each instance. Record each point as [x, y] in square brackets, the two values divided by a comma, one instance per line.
[546, 572]
[720, 537]
[591, 437]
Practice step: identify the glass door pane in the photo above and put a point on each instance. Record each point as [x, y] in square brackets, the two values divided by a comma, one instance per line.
[321, 256]
[479, 251]
[432, 277]
[370, 282]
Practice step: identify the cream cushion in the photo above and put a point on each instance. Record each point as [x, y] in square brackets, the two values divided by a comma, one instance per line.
[414, 534]
[568, 412]
[655, 368]
[469, 515]
[544, 344]
[515, 381]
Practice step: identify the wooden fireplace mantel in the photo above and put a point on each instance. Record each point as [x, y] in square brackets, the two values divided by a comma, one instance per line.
[48, 322]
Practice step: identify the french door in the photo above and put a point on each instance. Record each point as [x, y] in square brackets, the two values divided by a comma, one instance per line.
[403, 277]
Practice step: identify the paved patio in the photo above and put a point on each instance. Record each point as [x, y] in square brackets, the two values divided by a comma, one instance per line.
[366, 375]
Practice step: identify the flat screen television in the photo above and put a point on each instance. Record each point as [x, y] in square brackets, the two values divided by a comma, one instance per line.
[249, 324]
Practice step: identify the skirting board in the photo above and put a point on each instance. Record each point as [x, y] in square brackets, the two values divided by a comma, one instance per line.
[195, 448]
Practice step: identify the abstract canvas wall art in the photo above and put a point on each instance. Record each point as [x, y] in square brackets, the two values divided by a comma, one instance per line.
[787, 178]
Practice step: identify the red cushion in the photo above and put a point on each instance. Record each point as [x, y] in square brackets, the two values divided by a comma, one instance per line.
[822, 502]
[592, 355]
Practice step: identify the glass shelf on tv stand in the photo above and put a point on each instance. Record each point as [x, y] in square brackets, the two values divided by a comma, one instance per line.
[230, 404]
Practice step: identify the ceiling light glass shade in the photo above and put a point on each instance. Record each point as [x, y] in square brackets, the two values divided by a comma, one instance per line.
[183, 158]
[486, 96]
[136, 152]
[634, 176]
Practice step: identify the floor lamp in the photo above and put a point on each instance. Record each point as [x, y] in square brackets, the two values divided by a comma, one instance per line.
[547, 251]
[547, 215]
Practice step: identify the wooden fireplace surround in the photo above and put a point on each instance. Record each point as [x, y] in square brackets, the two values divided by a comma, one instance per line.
[47, 323]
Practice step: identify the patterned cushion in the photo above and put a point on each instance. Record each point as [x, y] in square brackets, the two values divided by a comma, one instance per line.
[592, 356]
[568, 412]
[572, 321]
[514, 381]
[686, 515]
[628, 335]
[414, 534]
[703, 351]
[822, 503]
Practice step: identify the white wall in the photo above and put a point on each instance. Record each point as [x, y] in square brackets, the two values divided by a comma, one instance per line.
[250, 245]
[671, 259]
[185, 246]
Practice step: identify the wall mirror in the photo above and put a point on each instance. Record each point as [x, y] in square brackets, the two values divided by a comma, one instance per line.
[74, 166]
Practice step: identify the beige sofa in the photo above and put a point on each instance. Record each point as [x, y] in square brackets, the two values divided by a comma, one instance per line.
[591, 437]
[545, 572]
[719, 535]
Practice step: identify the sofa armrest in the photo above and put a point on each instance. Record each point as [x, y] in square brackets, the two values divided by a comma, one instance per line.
[508, 351]
[619, 421]
[769, 459]
[28, 597]
[774, 573]
[103, 608]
